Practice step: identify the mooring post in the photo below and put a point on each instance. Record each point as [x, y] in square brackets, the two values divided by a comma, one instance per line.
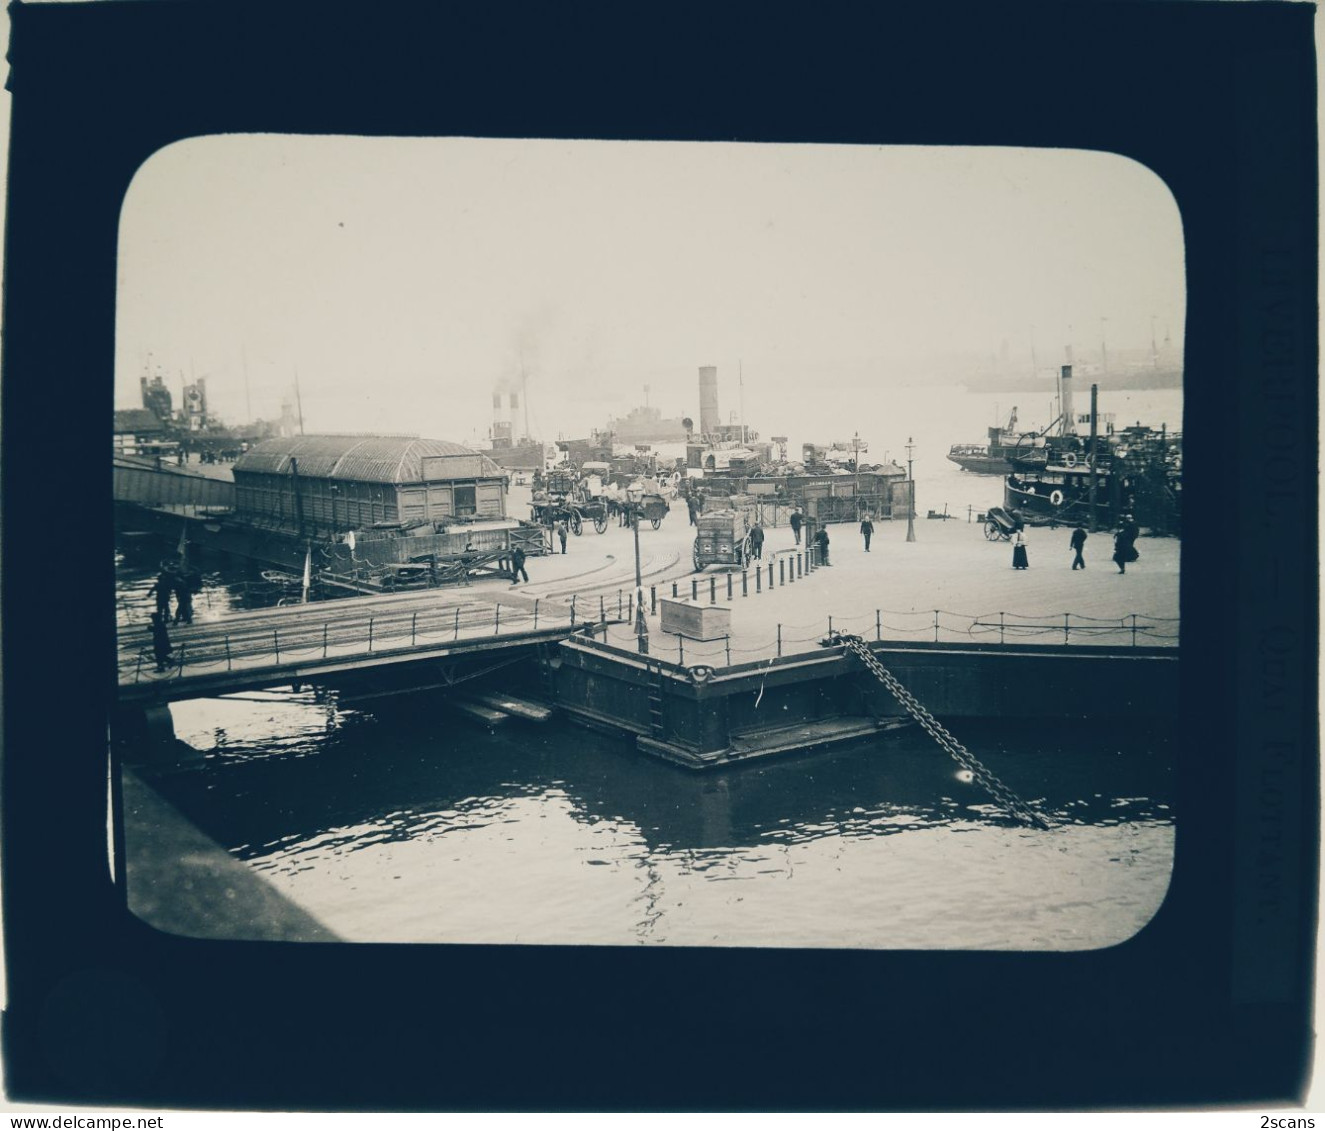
[729, 587]
[728, 642]
[745, 583]
[713, 590]
[228, 666]
[779, 640]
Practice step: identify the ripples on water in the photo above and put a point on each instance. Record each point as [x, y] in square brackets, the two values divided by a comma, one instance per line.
[408, 826]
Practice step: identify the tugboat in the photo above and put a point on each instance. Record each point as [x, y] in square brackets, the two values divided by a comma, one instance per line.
[1067, 479]
[995, 457]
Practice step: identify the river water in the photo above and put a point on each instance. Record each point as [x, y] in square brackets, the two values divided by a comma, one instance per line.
[405, 824]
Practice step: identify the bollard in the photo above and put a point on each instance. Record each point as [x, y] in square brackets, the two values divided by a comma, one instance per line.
[745, 583]
[713, 590]
[878, 625]
[681, 650]
[370, 634]
[618, 604]
[729, 587]
[728, 641]
[800, 565]
[496, 624]
[276, 639]
[572, 610]
[457, 622]
[770, 575]
[1000, 630]
[630, 607]
[653, 600]
[830, 625]
[1066, 628]
[936, 626]
[1133, 629]
[694, 589]
[535, 613]
[673, 588]
[791, 570]
[324, 640]
[227, 652]
[413, 628]
[779, 640]
[759, 580]
[782, 571]
[602, 609]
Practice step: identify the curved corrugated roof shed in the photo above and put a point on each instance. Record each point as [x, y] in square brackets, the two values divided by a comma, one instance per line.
[364, 459]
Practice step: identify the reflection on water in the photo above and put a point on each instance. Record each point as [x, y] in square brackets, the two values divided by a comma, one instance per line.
[406, 826]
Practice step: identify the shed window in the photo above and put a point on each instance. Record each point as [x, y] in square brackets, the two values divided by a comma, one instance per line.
[465, 500]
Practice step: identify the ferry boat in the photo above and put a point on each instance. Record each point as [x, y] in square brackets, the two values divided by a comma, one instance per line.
[1067, 479]
[994, 457]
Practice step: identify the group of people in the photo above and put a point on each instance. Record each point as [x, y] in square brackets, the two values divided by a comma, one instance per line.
[182, 583]
[1124, 544]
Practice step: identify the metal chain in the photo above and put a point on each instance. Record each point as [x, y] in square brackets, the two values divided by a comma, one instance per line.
[963, 757]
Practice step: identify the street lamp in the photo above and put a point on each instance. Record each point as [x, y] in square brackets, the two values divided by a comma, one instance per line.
[911, 494]
[635, 496]
[855, 464]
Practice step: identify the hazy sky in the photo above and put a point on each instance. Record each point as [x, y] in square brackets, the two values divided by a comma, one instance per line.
[402, 279]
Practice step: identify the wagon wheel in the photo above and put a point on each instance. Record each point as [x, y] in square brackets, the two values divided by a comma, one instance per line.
[576, 523]
[600, 523]
[694, 553]
[992, 532]
[655, 523]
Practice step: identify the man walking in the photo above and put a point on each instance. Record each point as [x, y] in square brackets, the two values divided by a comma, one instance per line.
[517, 566]
[757, 542]
[1078, 544]
[796, 521]
[1124, 543]
[867, 529]
[561, 535]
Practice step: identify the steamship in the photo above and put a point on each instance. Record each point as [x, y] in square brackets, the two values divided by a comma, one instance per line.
[1067, 478]
[994, 457]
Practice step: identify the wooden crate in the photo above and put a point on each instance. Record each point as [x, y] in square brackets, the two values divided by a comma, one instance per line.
[695, 621]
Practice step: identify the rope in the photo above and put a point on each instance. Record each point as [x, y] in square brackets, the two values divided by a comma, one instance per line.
[963, 757]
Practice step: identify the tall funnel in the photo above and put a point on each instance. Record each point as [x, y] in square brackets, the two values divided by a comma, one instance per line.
[708, 399]
[1069, 426]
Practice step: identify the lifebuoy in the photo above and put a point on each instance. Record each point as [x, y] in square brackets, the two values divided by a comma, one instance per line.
[701, 673]
[1056, 497]
[1070, 459]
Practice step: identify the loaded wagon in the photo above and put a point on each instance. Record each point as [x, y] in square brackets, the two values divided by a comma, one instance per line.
[654, 508]
[723, 539]
[566, 499]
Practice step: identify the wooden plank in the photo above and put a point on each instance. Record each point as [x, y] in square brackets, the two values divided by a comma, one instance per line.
[523, 708]
[485, 715]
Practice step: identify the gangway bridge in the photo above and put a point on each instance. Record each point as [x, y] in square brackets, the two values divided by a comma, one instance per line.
[373, 641]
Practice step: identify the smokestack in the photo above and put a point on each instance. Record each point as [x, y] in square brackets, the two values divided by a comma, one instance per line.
[708, 399]
[1069, 417]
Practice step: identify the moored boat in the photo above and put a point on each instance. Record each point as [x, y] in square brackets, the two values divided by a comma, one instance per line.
[993, 457]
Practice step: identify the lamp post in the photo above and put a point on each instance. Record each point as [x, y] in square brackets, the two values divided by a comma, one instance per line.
[855, 464]
[641, 624]
[910, 494]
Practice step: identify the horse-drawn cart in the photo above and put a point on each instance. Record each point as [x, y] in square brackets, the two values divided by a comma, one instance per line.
[723, 539]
